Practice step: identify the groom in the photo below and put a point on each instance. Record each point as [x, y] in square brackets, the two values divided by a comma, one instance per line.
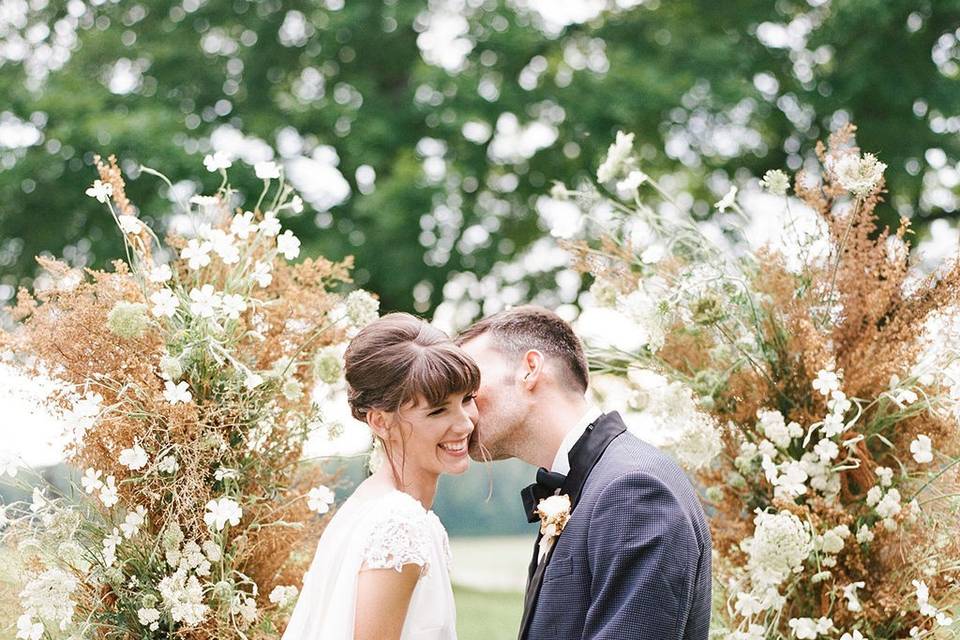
[633, 560]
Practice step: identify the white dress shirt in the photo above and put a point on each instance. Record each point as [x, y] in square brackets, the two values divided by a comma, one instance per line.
[561, 462]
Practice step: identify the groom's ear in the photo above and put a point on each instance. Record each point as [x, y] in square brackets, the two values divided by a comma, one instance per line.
[531, 367]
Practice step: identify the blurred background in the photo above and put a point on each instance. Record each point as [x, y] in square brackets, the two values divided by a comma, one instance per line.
[424, 137]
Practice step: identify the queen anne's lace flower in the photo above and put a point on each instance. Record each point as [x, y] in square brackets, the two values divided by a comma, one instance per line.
[778, 547]
[859, 175]
[776, 182]
[362, 308]
[49, 596]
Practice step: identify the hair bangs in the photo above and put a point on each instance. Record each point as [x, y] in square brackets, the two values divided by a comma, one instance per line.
[439, 371]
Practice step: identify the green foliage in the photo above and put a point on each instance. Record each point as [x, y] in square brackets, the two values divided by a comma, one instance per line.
[716, 84]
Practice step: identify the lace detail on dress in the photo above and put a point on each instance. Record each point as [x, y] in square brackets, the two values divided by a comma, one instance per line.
[399, 536]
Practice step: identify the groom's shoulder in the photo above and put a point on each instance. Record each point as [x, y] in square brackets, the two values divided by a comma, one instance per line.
[629, 460]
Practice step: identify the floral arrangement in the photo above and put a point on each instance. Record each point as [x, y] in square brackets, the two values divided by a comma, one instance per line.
[812, 383]
[187, 371]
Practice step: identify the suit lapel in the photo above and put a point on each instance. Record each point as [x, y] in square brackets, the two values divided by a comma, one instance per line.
[583, 457]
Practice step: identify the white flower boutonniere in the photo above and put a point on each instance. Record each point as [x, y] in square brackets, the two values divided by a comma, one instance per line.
[554, 513]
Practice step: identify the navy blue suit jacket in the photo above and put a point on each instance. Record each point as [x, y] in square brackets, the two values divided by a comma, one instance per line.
[633, 562]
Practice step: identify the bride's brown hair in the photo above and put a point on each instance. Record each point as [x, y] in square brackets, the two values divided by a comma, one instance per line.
[400, 359]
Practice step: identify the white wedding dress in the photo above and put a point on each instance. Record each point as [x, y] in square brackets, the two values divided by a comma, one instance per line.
[385, 531]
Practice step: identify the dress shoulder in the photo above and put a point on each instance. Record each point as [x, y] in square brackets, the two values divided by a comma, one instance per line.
[399, 534]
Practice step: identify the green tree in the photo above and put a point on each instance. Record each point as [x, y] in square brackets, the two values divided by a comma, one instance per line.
[708, 88]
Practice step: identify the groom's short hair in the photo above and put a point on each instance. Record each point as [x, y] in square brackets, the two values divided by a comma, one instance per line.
[520, 329]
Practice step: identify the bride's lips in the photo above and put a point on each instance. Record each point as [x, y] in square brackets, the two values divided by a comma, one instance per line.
[454, 448]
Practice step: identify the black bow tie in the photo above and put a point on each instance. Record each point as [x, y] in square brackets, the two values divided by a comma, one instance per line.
[546, 485]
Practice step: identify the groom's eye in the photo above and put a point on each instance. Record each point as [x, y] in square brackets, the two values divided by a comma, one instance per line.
[436, 412]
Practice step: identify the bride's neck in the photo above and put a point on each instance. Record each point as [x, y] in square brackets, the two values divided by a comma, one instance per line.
[417, 483]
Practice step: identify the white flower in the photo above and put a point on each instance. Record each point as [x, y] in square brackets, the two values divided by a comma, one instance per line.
[165, 303]
[261, 274]
[628, 188]
[179, 392]
[319, 499]
[874, 495]
[243, 225]
[296, 204]
[774, 427]
[270, 225]
[160, 274]
[147, 616]
[780, 544]
[282, 595]
[856, 635]
[212, 550]
[133, 522]
[289, 245]
[134, 458]
[205, 202]
[776, 182]
[91, 480]
[803, 628]
[922, 449]
[832, 540]
[727, 201]
[252, 380]
[827, 382]
[225, 473]
[129, 224]
[618, 158]
[889, 506]
[38, 502]
[859, 175]
[233, 305]
[170, 368]
[827, 450]
[27, 629]
[864, 534]
[101, 191]
[793, 480]
[204, 301]
[168, 464]
[220, 512]
[196, 253]
[9, 464]
[653, 254]
[108, 492]
[49, 597]
[885, 475]
[850, 593]
[943, 619]
[217, 161]
[833, 425]
[224, 246]
[248, 610]
[362, 308]
[267, 170]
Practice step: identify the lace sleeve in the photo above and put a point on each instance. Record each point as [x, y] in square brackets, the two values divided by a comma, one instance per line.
[398, 537]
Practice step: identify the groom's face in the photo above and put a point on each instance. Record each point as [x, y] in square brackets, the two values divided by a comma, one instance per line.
[499, 402]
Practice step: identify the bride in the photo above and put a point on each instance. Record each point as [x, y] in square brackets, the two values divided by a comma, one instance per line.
[381, 567]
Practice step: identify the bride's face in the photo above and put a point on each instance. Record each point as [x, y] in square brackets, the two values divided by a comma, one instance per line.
[435, 438]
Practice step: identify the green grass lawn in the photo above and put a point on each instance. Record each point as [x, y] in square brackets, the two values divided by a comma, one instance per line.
[487, 615]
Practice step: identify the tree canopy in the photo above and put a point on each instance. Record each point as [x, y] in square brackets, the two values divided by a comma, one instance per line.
[423, 133]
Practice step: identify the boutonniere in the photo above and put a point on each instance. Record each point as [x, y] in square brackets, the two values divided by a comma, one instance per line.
[554, 513]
